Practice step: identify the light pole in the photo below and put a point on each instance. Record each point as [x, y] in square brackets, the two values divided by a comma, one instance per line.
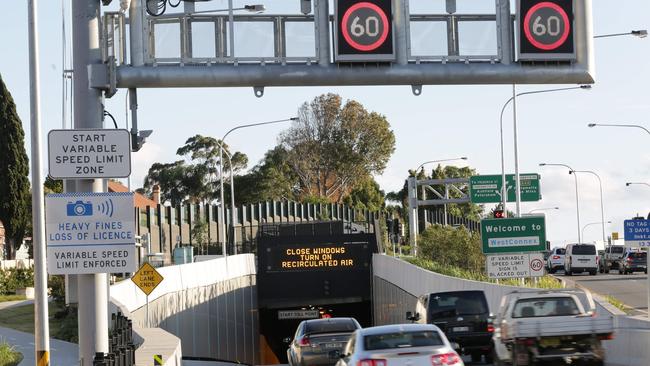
[446, 189]
[575, 176]
[618, 125]
[639, 183]
[641, 33]
[504, 191]
[543, 209]
[594, 223]
[602, 205]
[232, 189]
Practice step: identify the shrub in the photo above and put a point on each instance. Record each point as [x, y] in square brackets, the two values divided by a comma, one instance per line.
[451, 246]
[8, 355]
[15, 278]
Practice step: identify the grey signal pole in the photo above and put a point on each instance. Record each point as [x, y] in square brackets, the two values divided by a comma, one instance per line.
[41, 325]
[88, 109]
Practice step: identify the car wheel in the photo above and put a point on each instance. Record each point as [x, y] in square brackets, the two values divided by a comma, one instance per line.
[593, 273]
[645, 271]
[476, 357]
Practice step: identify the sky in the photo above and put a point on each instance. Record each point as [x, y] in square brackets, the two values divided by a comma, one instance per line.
[443, 122]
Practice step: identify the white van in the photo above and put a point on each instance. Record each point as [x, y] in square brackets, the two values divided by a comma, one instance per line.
[580, 258]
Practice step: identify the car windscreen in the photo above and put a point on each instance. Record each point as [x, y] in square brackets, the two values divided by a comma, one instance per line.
[333, 326]
[640, 255]
[457, 303]
[561, 251]
[617, 250]
[584, 250]
[545, 306]
[426, 338]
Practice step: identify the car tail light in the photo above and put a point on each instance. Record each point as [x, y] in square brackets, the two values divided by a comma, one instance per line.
[490, 328]
[445, 359]
[304, 341]
[556, 257]
[373, 362]
[606, 337]
[629, 259]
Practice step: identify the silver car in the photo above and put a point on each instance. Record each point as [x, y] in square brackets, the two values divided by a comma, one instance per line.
[397, 345]
[320, 342]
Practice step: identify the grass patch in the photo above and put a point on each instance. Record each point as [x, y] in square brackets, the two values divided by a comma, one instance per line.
[4, 298]
[546, 282]
[618, 304]
[8, 355]
[63, 321]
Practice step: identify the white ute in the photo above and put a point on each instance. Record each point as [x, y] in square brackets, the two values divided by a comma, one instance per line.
[559, 326]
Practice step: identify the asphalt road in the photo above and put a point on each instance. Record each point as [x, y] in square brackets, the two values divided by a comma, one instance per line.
[631, 289]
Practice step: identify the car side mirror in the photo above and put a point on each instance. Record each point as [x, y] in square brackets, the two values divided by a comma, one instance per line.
[287, 340]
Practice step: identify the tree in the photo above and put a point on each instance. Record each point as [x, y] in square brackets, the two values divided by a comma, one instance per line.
[52, 185]
[177, 181]
[14, 168]
[366, 195]
[271, 179]
[453, 246]
[333, 146]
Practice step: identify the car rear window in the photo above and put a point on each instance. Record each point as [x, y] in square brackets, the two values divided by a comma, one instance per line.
[402, 339]
[640, 255]
[331, 326]
[560, 251]
[584, 249]
[617, 250]
[545, 306]
[457, 303]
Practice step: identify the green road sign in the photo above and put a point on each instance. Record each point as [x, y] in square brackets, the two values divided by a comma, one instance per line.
[487, 188]
[523, 234]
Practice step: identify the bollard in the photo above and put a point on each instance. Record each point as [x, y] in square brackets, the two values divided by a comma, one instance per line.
[100, 360]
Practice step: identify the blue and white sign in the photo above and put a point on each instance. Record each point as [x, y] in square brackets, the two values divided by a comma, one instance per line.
[90, 233]
[637, 233]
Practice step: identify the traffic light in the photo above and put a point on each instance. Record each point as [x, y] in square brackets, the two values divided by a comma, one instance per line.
[499, 214]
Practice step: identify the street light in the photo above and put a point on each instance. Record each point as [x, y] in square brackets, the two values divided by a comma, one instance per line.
[504, 192]
[594, 223]
[446, 189]
[232, 189]
[602, 206]
[618, 125]
[543, 209]
[641, 33]
[575, 176]
[641, 183]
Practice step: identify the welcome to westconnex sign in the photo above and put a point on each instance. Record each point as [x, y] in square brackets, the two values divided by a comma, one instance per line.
[523, 234]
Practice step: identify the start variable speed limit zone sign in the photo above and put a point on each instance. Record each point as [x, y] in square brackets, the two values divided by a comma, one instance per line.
[545, 29]
[364, 30]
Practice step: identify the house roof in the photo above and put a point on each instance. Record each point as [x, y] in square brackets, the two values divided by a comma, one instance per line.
[141, 201]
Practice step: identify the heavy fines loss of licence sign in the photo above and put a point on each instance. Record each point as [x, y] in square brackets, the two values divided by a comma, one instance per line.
[79, 154]
[90, 233]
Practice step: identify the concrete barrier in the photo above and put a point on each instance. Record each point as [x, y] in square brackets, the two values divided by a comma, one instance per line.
[211, 306]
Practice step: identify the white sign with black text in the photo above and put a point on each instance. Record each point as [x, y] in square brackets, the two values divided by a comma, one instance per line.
[90, 233]
[81, 154]
[515, 265]
[298, 314]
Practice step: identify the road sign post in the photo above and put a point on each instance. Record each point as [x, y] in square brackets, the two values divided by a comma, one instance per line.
[147, 279]
[488, 188]
[545, 30]
[89, 233]
[516, 235]
[364, 31]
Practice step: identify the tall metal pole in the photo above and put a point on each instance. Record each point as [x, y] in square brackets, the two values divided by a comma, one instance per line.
[504, 190]
[575, 176]
[517, 183]
[222, 202]
[41, 325]
[88, 109]
[233, 216]
[602, 204]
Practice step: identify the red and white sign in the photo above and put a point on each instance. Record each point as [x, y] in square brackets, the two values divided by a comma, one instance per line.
[545, 29]
[364, 30]
[515, 265]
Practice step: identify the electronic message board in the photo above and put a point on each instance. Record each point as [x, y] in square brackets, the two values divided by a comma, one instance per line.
[317, 257]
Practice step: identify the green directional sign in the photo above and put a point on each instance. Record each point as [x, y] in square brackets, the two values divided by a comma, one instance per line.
[522, 234]
[487, 188]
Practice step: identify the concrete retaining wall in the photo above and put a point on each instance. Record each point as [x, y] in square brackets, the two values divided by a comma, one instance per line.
[211, 306]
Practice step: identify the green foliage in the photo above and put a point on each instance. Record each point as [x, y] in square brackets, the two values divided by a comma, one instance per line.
[200, 235]
[8, 355]
[366, 195]
[12, 279]
[15, 200]
[52, 185]
[62, 320]
[56, 284]
[451, 246]
[546, 282]
[618, 304]
[333, 146]
[271, 179]
[176, 180]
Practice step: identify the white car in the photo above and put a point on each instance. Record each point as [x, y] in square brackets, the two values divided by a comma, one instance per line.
[555, 260]
[399, 345]
[580, 258]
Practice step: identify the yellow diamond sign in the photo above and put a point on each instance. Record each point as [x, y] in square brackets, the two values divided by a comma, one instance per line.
[147, 278]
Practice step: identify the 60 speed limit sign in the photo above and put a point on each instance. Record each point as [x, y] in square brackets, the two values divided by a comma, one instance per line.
[545, 30]
[364, 30]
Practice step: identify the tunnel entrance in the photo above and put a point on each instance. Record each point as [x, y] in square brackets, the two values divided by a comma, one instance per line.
[308, 271]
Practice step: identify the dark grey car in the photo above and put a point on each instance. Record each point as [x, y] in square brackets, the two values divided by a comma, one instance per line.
[319, 342]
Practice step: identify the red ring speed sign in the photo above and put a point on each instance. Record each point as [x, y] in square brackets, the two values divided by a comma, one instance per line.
[536, 264]
[373, 27]
[547, 26]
